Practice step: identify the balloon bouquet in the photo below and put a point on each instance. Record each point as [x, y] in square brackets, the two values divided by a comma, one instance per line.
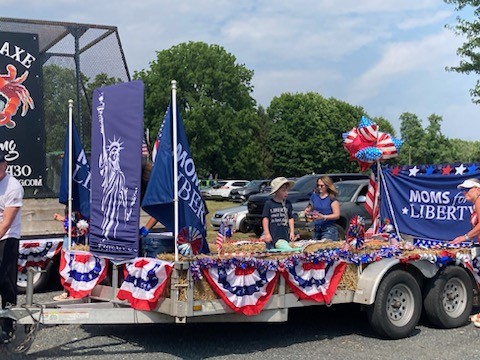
[367, 146]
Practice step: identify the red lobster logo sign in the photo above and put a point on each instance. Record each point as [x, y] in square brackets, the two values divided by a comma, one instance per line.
[13, 90]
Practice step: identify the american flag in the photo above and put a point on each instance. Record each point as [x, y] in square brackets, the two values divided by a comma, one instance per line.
[368, 129]
[372, 205]
[145, 153]
[156, 144]
[220, 237]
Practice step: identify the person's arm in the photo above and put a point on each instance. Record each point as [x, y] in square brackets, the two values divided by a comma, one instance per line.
[8, 216]
[474, 232]
[145, 230]
[292, 229]
[335, 212]
[266, 231]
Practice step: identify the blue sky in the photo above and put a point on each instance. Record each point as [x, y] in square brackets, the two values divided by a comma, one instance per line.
[387, 56]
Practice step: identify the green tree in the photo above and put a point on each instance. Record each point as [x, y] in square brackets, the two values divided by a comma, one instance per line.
[413, 135]
[438, 148]
[58, 88]
[214, 98]
[470, 50]
[306, 134]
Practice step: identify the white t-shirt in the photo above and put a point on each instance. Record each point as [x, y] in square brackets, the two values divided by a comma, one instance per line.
[11, 195]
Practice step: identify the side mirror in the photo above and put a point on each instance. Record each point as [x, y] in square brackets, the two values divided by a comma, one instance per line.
[361, 199]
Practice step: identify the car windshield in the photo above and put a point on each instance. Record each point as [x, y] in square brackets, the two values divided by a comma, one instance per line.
[305, 184]
[253, 184]
[345, 191]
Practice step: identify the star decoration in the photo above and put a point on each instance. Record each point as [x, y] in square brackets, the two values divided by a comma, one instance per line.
[429, 170]
[459, 170]
[395, 171]
[404, 211]
[472, 168]
[446, 170]
[414, 171]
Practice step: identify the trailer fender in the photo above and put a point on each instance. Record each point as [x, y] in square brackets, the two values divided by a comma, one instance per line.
[370, 279]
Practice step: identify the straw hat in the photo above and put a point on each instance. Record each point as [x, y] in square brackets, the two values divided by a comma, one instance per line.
[278, 182]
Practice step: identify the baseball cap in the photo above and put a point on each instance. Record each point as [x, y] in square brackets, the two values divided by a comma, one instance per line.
[468, 184]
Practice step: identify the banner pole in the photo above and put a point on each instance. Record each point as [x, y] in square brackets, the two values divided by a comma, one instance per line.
[70, 171]
[175, 165]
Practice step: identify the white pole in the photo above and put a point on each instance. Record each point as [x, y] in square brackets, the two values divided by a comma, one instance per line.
[175, 165]
[70, 171]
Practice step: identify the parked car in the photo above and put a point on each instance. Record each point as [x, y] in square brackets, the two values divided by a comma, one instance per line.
[236, 212]
[301, 191]
[351, 196]
[221, 191]
[253, 187]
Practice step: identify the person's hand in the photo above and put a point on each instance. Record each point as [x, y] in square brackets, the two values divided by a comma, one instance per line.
[457, 240]
[58, 217]
[267, 238]
[292, 236]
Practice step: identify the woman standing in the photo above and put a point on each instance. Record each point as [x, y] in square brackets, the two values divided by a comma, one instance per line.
[471, 191]
[324, 209]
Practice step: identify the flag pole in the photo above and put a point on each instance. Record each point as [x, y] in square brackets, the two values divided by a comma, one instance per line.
[175, 165]
[70, 170]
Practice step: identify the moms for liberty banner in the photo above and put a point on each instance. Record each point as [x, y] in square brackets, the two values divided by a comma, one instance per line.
[117, 131]
[424, 200]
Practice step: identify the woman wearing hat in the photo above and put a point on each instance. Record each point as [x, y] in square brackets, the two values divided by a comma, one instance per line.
[471, 191]
[324, 209]
[278, 214]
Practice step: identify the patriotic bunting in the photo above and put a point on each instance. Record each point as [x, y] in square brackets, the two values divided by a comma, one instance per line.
[315, 281]
[145, 279]
[37, 253]
[245, 289]
[80, 271]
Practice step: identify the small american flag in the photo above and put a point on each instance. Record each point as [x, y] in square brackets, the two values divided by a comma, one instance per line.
[371, 205]
[145, 153]
[156, 144]
[220, 237]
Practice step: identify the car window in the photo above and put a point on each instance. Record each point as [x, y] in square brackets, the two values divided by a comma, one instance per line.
[220, 184]
[345, 191]
[305, 184]
[239, 183]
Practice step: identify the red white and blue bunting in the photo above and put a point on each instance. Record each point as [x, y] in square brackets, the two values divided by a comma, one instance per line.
[315, 281]
[244, 287]
[37, 253]
[145, 279]
[80, 271]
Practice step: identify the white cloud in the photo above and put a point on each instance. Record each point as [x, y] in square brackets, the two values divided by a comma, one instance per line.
[401, 59]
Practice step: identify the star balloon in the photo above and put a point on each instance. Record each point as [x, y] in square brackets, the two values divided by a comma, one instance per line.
[367, 145]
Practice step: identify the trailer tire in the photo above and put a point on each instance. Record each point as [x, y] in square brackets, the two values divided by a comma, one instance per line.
[40, 279]
[397, 307]
[449, 298]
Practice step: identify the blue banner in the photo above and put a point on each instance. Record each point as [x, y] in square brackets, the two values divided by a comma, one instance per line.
[159, 196]
[81, 176]
[424, 200]
[117, 131]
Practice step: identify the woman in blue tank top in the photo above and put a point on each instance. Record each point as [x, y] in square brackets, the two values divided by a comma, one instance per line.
[324, 209]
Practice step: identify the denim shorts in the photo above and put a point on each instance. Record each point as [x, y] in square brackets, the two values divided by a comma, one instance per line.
[329, 232]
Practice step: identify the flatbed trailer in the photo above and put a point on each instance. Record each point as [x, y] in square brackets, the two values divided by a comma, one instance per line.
[393, 291]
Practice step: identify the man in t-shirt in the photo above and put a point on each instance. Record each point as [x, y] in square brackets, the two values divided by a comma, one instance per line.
[11, 197]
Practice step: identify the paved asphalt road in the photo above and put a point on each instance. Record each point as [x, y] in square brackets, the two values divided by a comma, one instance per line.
[341, 332]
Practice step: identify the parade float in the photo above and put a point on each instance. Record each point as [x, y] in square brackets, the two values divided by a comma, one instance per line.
[399, 267]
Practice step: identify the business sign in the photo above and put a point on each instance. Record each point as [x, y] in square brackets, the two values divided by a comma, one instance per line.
[22, 130]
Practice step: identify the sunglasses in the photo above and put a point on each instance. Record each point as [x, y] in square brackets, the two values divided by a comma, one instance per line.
[321, 185]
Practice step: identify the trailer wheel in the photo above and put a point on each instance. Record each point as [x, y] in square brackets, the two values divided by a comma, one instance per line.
[40, 279]
[449, 298]
[397, 307]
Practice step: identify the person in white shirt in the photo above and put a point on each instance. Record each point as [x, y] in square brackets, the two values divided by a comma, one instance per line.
[11, 198]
